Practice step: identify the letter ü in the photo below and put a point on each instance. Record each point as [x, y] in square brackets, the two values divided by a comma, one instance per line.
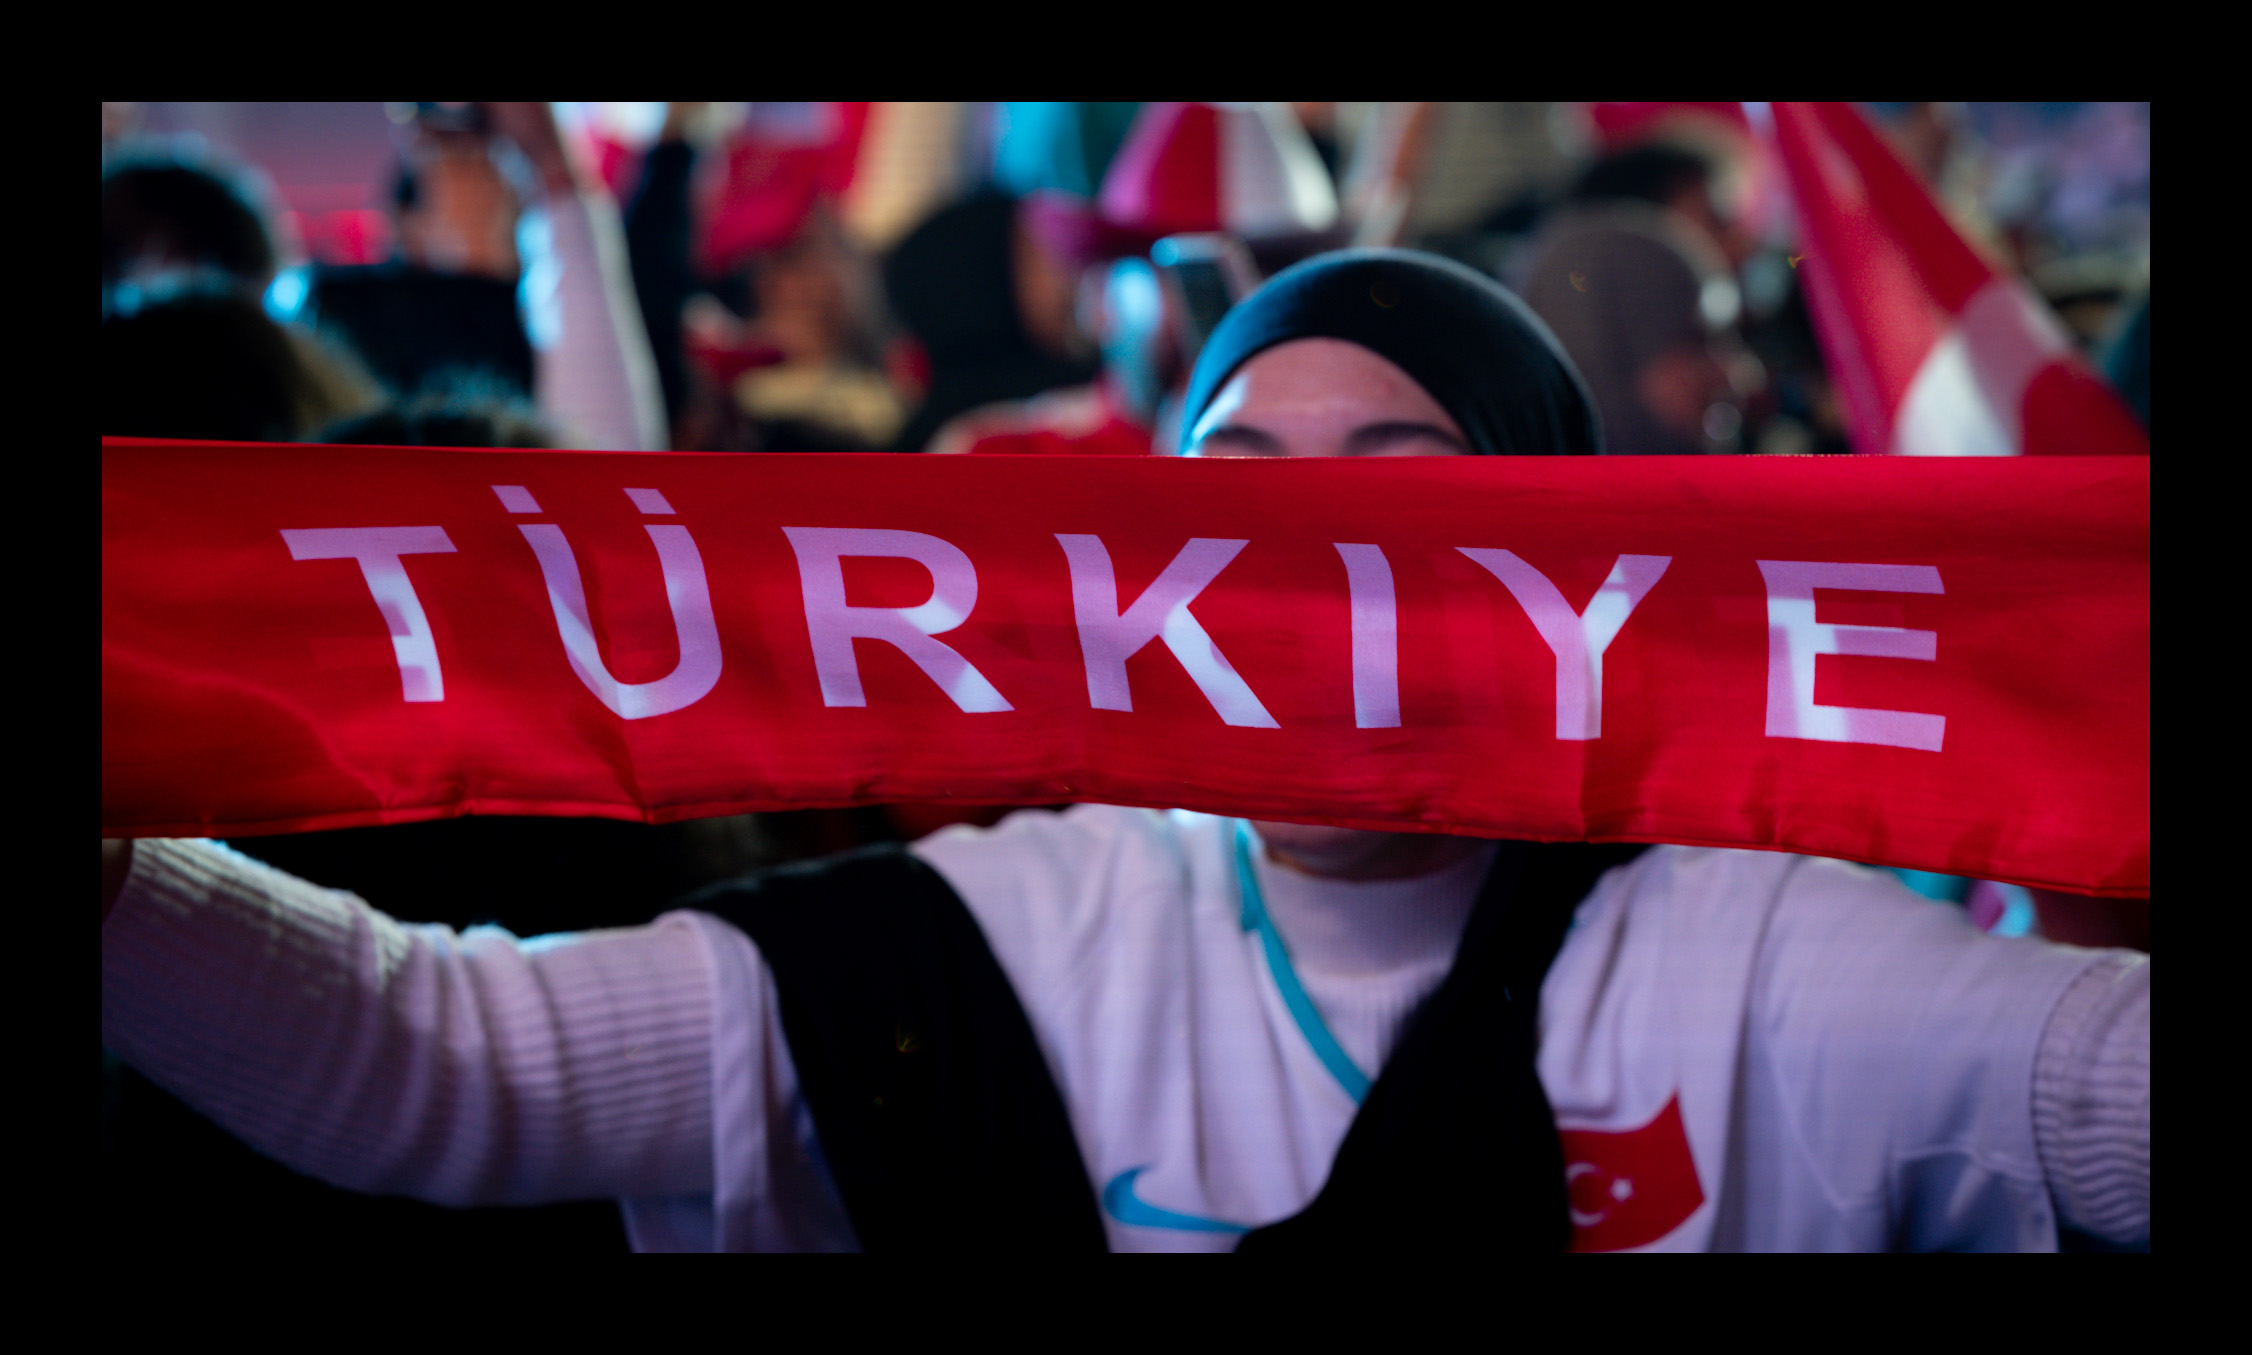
[686, 589]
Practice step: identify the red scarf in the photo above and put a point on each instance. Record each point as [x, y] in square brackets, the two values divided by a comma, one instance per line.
[1937, 664]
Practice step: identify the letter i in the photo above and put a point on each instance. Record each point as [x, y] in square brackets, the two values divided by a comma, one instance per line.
[1376, 637]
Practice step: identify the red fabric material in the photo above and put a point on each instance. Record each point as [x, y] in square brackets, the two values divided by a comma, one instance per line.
[2069, 410]
[1065, 423]
[1166, 179]
[843, 165]
[1113, 437]
[253, 682]
[1889, 278]
[766, 188]
[615, 163]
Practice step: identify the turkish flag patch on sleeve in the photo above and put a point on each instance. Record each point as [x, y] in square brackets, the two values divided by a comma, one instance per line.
[1630, 1186]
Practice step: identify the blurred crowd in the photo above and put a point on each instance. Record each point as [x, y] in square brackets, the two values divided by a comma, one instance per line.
[958, 277]
[934, 278]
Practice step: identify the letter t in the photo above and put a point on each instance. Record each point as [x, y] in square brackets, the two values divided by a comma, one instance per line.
[378, 550]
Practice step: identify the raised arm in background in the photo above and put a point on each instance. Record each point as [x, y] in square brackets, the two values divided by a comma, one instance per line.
[596, 379]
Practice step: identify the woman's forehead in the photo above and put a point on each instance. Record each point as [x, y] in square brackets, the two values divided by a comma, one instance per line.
[1323, 379]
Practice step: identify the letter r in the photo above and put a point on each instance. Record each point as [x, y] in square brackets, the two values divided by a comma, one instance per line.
[832, 624]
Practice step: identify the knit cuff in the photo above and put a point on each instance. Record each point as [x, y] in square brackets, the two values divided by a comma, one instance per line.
[2091, 1100]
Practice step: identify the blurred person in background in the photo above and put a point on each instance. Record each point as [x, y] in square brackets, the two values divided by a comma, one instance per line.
[784, 337]
[752, 229]
[195, 362]
[512, 265]
[1246, 172]
[167, 210]
[1634, 277]
[1687, 181]
[1502, 179]
[992, 307]
[815, 303]
[187, 349]
[446, 305]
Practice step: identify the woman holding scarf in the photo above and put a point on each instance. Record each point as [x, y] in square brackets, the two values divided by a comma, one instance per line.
[1123, 1029]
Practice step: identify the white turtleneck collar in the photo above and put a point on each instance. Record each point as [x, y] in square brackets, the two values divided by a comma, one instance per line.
[1371, 927]
[1369, 951]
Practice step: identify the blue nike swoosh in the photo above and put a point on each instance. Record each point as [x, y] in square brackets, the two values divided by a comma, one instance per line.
[1120, 1202]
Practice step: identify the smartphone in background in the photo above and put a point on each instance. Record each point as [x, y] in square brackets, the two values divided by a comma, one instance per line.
[1205, 275]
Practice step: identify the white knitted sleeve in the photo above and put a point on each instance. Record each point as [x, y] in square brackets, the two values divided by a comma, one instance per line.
[459, 1068]
[2091, 1100]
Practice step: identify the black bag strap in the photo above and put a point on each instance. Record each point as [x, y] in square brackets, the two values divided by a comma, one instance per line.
[938, 1116]
[1456, 1146]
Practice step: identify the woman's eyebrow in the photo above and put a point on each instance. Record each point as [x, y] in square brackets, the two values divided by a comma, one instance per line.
[1370, 439]
[1243, 438]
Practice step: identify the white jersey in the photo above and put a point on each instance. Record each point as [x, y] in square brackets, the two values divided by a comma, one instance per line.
[1745, 1050]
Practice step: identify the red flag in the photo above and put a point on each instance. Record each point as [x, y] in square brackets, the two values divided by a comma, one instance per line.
[1630, 1187]
[783, 161]
[1937, 352]
[1811, 653]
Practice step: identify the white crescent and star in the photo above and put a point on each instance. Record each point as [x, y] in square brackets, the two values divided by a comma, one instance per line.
[1621, 1190]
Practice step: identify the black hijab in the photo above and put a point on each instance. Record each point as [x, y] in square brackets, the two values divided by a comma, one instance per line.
[1478, 350]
